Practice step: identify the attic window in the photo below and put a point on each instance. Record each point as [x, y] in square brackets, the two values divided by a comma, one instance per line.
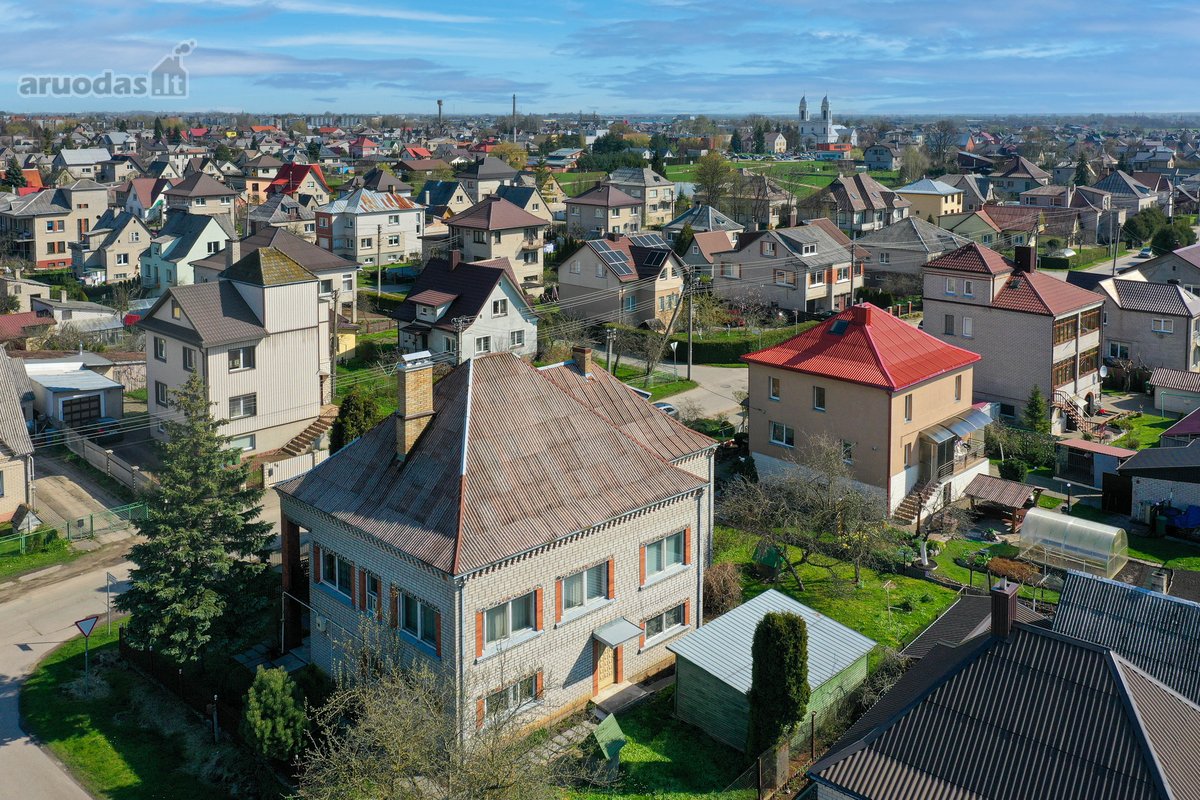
[839, 326]
[808, 249]
[175, 311]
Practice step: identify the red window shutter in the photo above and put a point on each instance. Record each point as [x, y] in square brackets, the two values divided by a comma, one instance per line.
[540, 684]
[687, 612]
[437, 633]
[479, 636]
[394, 607]
[479, 713]
[362, 589]
[642, 565]
[829, 276]
[620, 663]
[316, 563]
[538, 622]
[642, 638]
[687, 545]
[612, 580]
[558, 600]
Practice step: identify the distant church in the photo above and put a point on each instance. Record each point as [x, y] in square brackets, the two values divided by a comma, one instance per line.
[820, 131]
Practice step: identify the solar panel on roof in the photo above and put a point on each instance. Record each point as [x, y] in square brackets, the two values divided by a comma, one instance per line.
[654, 240]
[839, 326]
[656, 258]
[601, 246]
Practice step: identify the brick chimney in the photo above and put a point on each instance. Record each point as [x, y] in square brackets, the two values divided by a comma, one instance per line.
[414, 400]
[455, 258]
[1004, 608]
[1025, 257]
[582, 356]
[233, 252]
[861, 314]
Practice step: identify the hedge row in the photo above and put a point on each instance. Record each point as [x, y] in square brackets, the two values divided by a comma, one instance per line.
[383, 302]
[725, 350]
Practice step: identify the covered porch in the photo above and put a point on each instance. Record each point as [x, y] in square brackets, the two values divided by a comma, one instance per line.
[952, 446]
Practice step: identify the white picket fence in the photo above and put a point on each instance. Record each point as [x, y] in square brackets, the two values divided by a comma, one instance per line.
[279, 471]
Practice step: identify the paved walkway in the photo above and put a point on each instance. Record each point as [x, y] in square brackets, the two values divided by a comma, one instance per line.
[716, 395]
[31, 626]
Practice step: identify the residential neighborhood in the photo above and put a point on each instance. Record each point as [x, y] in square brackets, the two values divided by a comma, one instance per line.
[383, 420]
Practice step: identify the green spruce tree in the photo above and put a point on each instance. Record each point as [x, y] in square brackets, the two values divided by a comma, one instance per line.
[760, 139]
[736, 144]
[275, 720]
[1036, 415]
[195, 585]
[158, 129]
[357, 415]
[13, 176]
[684, 240]
[779, 680]
[1081, 169]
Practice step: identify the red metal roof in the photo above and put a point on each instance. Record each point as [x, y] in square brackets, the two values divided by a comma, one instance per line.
[13, 326]
[973, 257]
[1096, 447]
[873, 349]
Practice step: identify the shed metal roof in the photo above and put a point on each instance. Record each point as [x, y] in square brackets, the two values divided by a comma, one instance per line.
[72, 381]
[723, 647]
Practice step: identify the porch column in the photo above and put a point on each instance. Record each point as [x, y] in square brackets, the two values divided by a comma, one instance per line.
[293, 584]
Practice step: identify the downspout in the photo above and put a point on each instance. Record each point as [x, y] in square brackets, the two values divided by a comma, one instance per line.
[701, 563]
[460, 656]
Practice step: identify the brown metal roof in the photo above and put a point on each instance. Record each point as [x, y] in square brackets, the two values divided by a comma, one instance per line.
[494, 214]
[432, 297]
[1036, 293]
[973, 257]
[1000, 491]
[509, 463]
[1177, 379]
[604, 195]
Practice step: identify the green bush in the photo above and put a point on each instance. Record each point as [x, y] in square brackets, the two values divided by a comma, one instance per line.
[1014, 469]
[1054, 262]
[275, 721]
[779, 689]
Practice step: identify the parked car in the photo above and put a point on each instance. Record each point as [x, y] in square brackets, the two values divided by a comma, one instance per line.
[1145, 252]
[668, 409]
[642, 393]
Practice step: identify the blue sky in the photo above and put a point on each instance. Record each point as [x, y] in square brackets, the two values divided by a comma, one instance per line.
[669, 56]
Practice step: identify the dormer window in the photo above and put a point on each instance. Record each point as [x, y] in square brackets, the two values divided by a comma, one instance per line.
[808, 249]
[768, 248]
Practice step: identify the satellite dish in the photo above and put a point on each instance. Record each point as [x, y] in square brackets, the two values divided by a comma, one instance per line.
[1103, 371]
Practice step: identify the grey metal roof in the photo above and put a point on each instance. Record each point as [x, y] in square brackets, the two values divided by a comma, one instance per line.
[723, 646]
[970, 616]
[704, 218]
[14, 436]
[1167, 299]
[81, 379]
[1177, 379]
[1172, 463]
[914, 233]
[1155, 632]
[1038, 714]
[216, 310]
[617, 632]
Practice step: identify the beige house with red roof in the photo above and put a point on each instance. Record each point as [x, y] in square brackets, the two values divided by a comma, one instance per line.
[603, 209]
[898, 400]
[1030, 328]
[495, 228]
[534, 572]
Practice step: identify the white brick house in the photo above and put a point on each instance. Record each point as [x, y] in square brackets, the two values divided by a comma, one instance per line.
[536, 535]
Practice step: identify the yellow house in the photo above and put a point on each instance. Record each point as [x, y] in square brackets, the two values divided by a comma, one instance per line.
[931, 199]
[897, 399]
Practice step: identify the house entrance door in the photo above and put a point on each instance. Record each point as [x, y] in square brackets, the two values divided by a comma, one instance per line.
[606, 666]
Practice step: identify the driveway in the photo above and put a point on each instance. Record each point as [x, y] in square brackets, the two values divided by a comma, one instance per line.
[30, 627]
[717, 395]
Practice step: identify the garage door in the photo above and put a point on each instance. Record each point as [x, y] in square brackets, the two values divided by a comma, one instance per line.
[81, 410]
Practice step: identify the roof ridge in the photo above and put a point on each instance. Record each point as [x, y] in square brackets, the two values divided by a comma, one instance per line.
[462, 467]
[1116, 666]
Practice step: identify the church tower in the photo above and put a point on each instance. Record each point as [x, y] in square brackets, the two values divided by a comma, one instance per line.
[825, 109]
[804, 109]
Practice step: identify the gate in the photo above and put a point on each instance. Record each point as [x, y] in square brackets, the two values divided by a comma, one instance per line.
[1117, 494]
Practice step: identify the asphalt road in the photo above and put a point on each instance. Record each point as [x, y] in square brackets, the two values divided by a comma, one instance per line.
[30, 627]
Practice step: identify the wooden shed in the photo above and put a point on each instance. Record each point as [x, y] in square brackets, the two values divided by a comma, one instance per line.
[713, 666]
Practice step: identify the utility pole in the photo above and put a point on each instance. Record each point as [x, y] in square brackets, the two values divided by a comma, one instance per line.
[378, 256]
[460, 324]
[1112, 233]
[690, 288]
[333, 346]
[609, 335]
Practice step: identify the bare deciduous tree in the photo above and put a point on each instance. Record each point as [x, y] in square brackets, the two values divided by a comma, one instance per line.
[394, 729]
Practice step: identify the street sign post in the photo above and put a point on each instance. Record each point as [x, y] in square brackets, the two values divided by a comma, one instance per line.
[86, 626]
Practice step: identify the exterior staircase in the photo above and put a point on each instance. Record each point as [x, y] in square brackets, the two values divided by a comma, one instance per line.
[1067, 406]
[906, 512]
[302, 442]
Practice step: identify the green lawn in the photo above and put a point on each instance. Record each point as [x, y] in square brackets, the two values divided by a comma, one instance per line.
[1169, 552]
[102, 741]
[915, 603]
[574, 183]
[1049, 501]
[681, 172]
[1143, 431]
[666, 759]
[137, 394]
[960, 548]
[660, 385]
[14, 563]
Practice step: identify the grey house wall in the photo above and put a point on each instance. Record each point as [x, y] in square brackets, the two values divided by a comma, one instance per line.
[1135, 328]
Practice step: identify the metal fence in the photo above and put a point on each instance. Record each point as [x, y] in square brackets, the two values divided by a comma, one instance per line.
[99, 522]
